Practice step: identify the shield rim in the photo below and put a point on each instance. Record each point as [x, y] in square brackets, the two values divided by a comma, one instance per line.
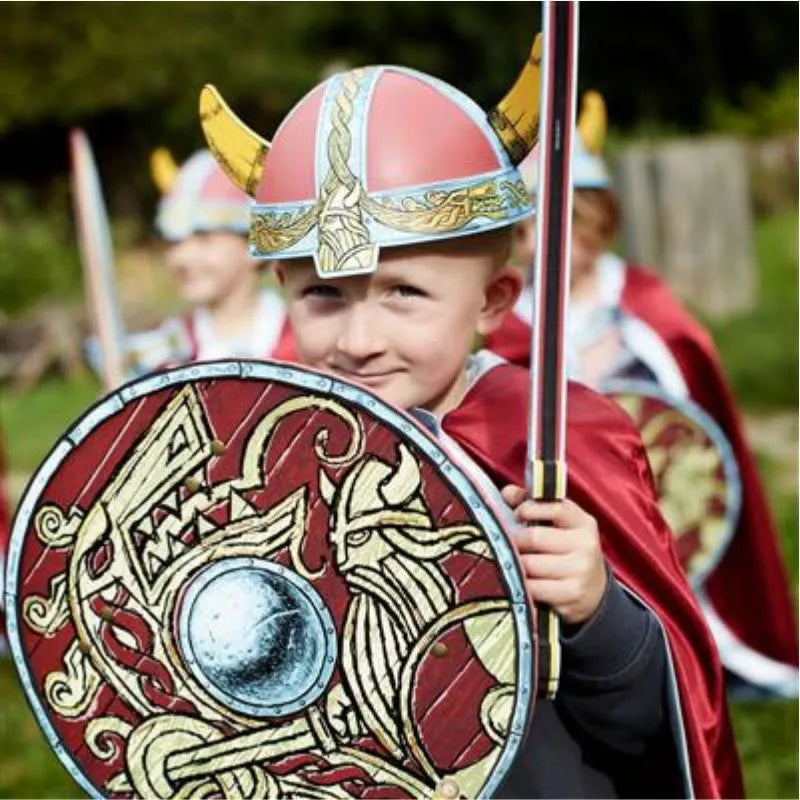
[481, 506]
[731, 469]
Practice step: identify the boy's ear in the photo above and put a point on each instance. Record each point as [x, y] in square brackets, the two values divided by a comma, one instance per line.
[501, 292]
[278, 272]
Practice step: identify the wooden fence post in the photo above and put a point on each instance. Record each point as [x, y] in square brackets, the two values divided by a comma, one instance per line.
[686, 212]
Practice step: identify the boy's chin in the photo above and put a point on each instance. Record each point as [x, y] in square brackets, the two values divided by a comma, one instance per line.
[198, 295]
[393, 392]
[407, 398]
[396, 390]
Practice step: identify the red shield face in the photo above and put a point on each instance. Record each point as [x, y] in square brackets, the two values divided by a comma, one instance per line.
[251, 580]
[695, 472]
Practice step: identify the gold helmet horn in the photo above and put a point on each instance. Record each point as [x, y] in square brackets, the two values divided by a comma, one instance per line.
[163, 170]
[239, 150]
[592, 122]
[515, 118]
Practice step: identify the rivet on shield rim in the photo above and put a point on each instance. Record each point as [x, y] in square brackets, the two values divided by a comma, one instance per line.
[439, 650]
[192, 485]
[447, 789]
[217, 447]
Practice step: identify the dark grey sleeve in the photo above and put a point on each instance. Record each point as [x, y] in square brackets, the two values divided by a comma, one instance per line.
[612, 676]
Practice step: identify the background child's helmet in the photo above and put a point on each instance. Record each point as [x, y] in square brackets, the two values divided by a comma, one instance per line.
[377, 157]
[589, 171]
[197, 197]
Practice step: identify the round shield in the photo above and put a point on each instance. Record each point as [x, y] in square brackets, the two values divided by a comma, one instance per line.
[695, 471]
[243, 579]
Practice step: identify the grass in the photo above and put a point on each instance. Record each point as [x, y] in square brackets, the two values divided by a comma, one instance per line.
[32, 422]
[767, 731]
[766, 735]
[28, 768]
[759, 351]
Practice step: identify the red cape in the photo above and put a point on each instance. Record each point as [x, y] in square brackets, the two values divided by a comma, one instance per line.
[749, 588]
[610, 478]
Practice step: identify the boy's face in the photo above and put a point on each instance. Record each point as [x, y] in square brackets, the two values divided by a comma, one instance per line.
[405, 330]
[524, 243]
[587, 247]
[208, 267]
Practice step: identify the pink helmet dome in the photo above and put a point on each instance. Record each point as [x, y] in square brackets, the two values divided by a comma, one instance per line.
[197, 197]
[378, 157]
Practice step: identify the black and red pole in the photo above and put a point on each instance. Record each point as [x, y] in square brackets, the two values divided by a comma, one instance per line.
[546, 477]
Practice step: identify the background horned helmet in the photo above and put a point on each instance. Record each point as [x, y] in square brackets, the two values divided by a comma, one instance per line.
[196, 197]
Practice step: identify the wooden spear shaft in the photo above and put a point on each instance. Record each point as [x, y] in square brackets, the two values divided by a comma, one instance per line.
[94, 240]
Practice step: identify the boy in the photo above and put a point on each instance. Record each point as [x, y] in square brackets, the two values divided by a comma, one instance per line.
[387, 199]
[624, 322]
[204, 219]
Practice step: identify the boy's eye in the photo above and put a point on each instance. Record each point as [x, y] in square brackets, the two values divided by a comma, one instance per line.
[404, 290]
[321, 290]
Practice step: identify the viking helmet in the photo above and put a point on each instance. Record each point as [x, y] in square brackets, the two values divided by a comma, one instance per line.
[378, 157]
[589, 171]
[196, 197]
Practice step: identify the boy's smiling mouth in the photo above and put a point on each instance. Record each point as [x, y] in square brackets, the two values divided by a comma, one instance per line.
[371, 378]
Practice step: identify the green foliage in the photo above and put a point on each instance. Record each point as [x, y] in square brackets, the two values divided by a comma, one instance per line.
[759, 349]
[759, 112]
[115, 55]
[70, 62]
[38, 255]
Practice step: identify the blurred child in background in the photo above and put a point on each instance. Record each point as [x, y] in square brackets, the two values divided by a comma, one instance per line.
[204, 219]
[624, 322]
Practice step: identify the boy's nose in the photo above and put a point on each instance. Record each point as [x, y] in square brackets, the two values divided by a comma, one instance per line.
[181, 253]
[360, 337]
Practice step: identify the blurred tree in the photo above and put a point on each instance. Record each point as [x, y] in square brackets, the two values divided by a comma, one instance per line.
[130, 72]
[72, 61]
[38, 255]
